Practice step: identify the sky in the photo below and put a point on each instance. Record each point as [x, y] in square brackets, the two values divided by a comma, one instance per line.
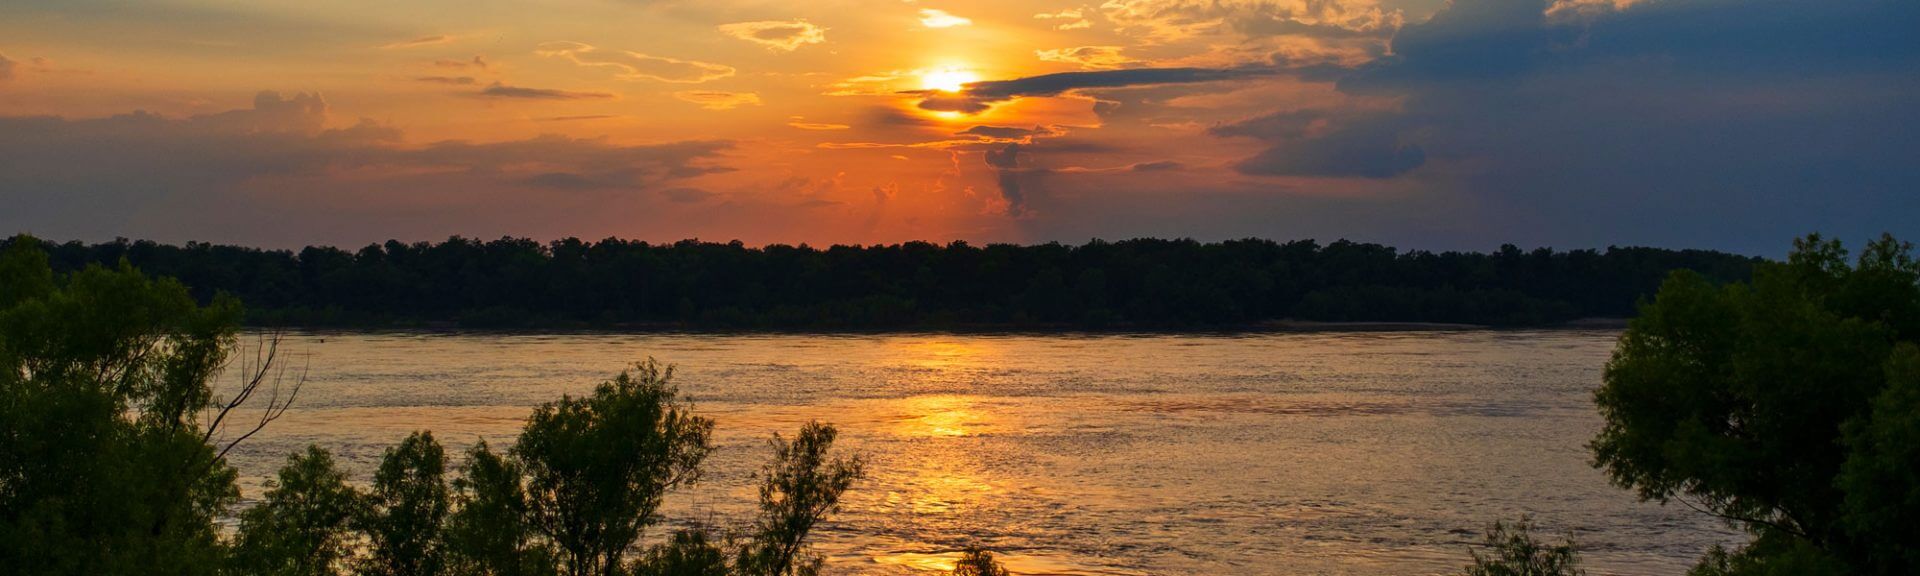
[1723, 124]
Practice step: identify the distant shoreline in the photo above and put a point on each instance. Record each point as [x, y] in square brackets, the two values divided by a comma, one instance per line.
[1268, 327]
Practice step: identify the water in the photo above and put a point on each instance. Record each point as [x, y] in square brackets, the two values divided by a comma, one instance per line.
[1322, 453]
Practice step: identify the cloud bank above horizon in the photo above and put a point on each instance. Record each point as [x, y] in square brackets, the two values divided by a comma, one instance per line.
[1729, 124]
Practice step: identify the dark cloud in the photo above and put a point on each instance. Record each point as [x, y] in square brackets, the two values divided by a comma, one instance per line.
[980, 95]
[498, 90]
[1704, 122]
[1316, 143]
[277, 173]
[476, 62]
[1009, 132]
[1008, 174]
[686, 195]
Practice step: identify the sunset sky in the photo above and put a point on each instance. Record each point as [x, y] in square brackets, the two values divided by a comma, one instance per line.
[1575, 123]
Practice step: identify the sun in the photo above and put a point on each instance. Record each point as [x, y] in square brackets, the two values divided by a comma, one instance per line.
[948, 79]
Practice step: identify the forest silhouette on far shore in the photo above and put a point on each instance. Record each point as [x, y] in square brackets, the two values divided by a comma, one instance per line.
[1143, 284]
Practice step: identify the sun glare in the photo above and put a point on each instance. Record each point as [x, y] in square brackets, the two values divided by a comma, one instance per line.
[948, 79]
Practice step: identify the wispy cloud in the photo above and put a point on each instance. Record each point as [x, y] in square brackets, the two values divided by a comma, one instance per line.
[817, 125]
[577, 118]
[433, 40]
[637, 66]
[476, 62]
[932, 18]
[455, 80]
[1094, 57]
[716, 100]
[498, 90]
[787, 35]
[1071, 19]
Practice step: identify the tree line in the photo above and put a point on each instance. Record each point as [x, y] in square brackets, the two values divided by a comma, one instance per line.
[1132, 284]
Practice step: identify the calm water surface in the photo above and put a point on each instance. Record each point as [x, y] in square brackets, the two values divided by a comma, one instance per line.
[1325, 453]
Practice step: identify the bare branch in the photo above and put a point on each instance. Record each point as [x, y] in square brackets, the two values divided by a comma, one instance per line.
[266, 372]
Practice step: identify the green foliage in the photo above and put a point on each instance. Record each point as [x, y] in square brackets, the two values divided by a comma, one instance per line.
[105, 464]
[977, 562]
[1512, 551]
[490, 532]
[798, 490]
[597, 467]
[107, 467]
[1881, 478]
[1785, 406]
[303, 526]
[406, 510]
[690, 552]
[515, 282]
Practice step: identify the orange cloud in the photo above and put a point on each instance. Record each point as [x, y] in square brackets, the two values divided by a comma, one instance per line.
[637, 66]
[715, 100]
[777, 34]
[1092, 57]
[433, 40]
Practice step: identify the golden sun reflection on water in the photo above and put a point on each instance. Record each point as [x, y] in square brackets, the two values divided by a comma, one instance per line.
[948, 416]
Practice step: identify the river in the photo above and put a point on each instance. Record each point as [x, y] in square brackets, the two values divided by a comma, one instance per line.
[1355, 453]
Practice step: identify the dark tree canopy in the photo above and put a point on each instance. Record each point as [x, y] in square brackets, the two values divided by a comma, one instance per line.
[1787, 406]
[113, 444]
[1146, 283]
[108, 464]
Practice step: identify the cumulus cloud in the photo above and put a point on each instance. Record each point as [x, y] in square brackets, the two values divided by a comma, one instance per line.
[787, 35]
[941, 19]
[277, 171]
[715, 100]
[636, 66]
[499, 90]
[1092, 57]
[6, 68]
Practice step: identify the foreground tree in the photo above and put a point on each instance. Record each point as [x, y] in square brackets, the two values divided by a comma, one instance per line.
[977, 562]
[113, 459]
[406, 510]
[597, 467]
[1511, 550]
[112, 442]
[490, 533]
[798, 490]
[1786, 407]
[302, 527]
